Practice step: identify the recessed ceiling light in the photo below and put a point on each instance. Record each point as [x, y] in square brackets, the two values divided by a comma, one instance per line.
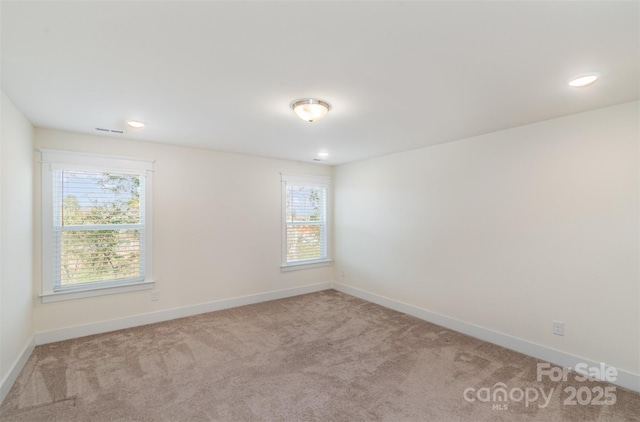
[583, 80]
[323, 154]
[136, 124]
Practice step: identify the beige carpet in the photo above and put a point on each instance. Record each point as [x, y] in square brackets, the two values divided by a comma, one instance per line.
[324, 356]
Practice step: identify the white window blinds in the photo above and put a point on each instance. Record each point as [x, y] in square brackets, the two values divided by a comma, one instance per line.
[305, 219]
[98, 227]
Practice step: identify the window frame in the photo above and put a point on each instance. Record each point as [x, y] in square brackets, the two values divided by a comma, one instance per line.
[310, 181]
[53, 160]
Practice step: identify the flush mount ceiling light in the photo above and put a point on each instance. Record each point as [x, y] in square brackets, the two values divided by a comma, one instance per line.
[583, 80]
[135, 124]
[310, 109]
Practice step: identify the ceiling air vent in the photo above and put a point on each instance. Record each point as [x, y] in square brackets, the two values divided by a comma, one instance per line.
[100, 129]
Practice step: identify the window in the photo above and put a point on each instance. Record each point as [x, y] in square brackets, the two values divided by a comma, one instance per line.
[305, 233]
[96, 225]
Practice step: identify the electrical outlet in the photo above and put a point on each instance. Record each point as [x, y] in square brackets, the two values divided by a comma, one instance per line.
[558, 328]
[342, 274]
[154, 295]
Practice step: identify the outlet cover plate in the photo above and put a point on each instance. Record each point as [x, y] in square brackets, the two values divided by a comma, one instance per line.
[558, 328]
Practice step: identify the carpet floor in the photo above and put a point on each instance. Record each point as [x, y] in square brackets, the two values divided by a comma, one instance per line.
[324, 356]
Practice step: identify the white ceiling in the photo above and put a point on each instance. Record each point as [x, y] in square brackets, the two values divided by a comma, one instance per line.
[399, 75]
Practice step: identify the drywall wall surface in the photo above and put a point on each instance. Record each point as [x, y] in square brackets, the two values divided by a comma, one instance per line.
[508, 231]
[16, 234]
[216, 231]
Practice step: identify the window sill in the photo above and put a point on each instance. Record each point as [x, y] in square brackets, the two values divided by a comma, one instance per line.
[96, 291]
[306, 265]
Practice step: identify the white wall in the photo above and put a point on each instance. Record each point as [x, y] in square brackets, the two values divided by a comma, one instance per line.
[507, 231]
[16, 240]
[217, 230]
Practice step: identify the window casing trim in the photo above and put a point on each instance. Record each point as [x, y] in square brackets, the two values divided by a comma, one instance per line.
[306, 264]
[96, 291]
[53, 160]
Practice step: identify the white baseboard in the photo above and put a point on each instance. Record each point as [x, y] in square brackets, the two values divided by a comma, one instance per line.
[151, 318]
[625, 379]
[12, 376]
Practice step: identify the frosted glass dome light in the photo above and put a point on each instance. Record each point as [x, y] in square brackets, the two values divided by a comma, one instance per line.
[310, 109]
